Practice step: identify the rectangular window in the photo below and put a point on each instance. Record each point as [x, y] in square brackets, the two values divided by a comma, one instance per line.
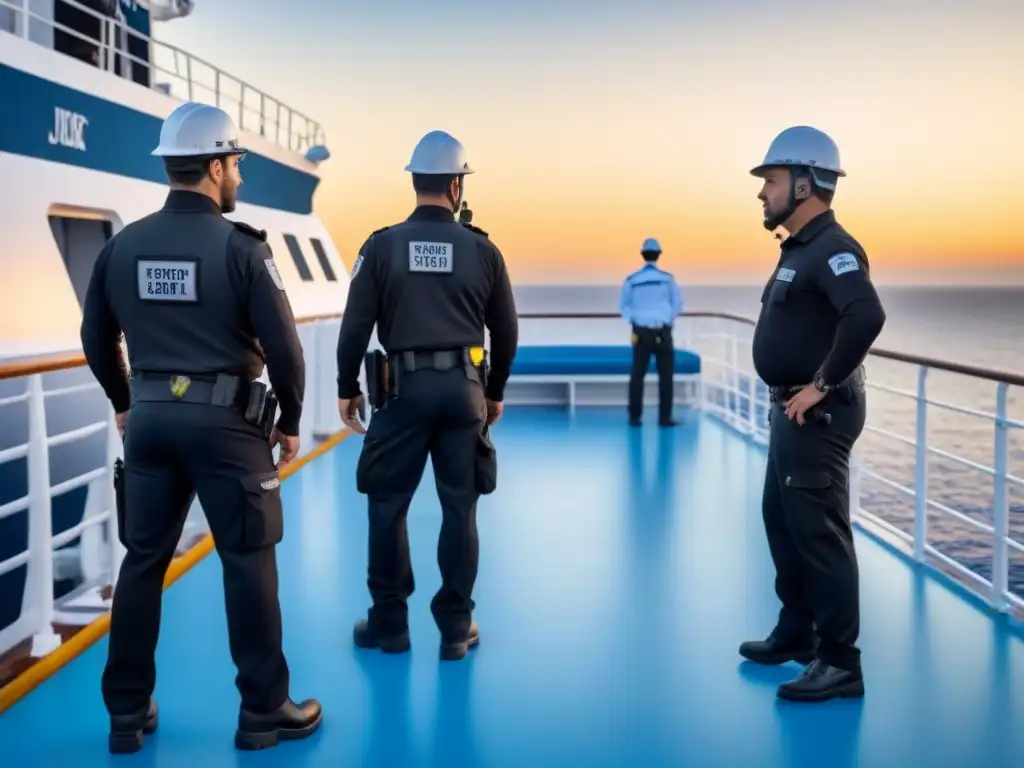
[298, 258]
[321, 256]
[79, 241]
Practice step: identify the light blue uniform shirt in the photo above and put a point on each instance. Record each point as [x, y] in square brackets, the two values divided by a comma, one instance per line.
[650, 298]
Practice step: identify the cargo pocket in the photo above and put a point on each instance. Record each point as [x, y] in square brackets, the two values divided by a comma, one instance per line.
[809, 481]
[485, 472]
[364, 466]
[807, 488]
[262, 512]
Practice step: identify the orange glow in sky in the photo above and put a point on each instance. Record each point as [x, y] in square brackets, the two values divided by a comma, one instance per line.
[590, 133]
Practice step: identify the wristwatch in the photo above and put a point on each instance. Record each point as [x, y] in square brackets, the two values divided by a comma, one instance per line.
[819, 383]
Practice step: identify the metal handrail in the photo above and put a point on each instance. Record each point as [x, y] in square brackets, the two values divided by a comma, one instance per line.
[67, 360]
[60, 362]
[989, 374]
[267, 117]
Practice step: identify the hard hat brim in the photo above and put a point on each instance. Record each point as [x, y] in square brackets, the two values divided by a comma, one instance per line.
[161, 152]
[759, 171]
[460, 172]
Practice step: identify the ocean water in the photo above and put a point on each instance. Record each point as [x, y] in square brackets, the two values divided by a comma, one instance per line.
[977, 326]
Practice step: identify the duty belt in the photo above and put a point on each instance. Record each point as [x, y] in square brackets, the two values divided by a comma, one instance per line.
[434, 360]
[471, 360]
[855, 381]
[202, 389]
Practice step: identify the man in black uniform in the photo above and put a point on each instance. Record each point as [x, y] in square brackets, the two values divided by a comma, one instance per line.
[820, 314]
[430, 285]
[201, 305]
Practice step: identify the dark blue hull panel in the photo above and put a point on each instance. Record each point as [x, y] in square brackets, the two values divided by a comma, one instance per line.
[119, 140]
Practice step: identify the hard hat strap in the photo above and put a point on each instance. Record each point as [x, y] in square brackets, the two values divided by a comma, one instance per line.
[795, 173]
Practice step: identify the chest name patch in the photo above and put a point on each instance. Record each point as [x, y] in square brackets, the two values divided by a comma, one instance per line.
[167, 281]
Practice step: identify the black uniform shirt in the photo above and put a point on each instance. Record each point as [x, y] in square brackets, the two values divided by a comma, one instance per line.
[819, 310]
[429, 283]
[194, 294]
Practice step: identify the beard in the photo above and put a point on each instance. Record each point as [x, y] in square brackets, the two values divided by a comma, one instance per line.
[228, 198]
[773, 218]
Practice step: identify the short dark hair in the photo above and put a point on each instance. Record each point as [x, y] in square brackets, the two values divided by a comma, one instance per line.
[433, 183]
[189, 171]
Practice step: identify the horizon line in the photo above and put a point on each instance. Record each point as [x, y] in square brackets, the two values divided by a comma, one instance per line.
[760, 284]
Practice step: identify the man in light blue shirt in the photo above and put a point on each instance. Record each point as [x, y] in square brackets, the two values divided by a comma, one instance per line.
[650, 302]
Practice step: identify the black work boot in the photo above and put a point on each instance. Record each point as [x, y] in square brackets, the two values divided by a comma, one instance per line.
[288, 723]
[774, 651]
[453, 650]
[821, 681]
[126, 731]
[365, 636]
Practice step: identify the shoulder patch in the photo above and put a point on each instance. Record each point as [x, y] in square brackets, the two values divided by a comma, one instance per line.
[274, 274]
[842, 263]
[471, 228]
[259, 234]
[356, 266]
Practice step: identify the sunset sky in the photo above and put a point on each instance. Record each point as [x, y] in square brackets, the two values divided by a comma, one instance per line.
[593, 125]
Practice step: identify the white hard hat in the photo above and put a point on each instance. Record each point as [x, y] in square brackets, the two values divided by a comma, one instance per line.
[802, 145]
[194, 130]
[650, 246]
[439, 153]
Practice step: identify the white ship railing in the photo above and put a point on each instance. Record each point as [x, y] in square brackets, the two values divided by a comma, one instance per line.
[184, 76]
[39, 611]
[731, 391]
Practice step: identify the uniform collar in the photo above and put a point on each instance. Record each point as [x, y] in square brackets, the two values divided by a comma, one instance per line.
[191, 202]
[431, 213]
[812, 229]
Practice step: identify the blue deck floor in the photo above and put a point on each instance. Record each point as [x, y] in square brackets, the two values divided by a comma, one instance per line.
[619, 571]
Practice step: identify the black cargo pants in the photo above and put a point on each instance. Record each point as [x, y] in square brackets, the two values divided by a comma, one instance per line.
[172, 452]
[440, 414]
[807, 522]
[647, 342]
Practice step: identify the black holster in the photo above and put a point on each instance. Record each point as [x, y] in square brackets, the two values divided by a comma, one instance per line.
[485, 469]
[119, 506]
[484, 370]
[376, 379]
[261, 408]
